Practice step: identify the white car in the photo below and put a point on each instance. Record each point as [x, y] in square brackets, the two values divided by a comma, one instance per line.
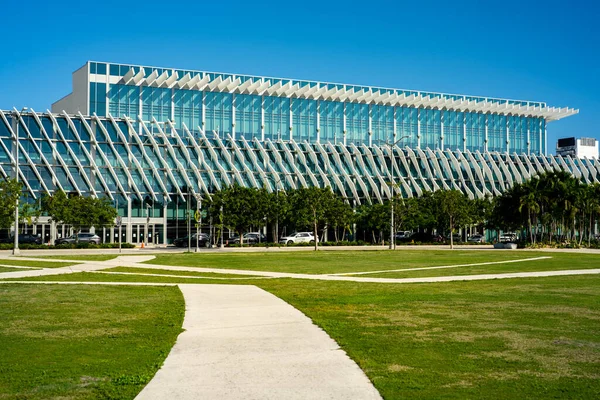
[476, 239]
[299, 237]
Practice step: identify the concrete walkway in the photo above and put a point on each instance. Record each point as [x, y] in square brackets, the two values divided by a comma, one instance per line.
[241, 342]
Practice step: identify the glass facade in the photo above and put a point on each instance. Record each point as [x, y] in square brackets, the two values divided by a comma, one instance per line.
[155, 164]
[224, 104]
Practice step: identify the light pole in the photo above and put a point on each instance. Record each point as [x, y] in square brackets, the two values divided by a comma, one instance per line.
[189, 222]
[277, 181]
[17, 115]
[221, 215]
[392, 162]
[198, 218]
[147, 224]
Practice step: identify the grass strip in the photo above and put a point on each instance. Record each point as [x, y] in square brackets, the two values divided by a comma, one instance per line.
[96, 277]
[327, 262]
[84, 257]
[36, 264]
[179, 273]
[558, 262]
[8, 269]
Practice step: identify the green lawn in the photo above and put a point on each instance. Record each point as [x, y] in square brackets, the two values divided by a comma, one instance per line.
[36, 264]
[535, 338]
[84, 342]
[179, 273]
[325, 262]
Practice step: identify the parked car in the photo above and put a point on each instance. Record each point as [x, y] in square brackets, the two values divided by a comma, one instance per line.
[24, 238]
[81, 238]
[403, 235]
[456, 237]
[203, 240]
[299, 237]
[476, 239]
[249, 238]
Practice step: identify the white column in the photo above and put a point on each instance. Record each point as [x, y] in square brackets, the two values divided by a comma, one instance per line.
[128, 227]
[173, 103]
[507, 135]
[318, 121]
[233, 115]
[370, 125]
[291, 120]
[485, 141]
[464, 131]
[418, 128]
[395, 125]
[262, 118]
[165, 222]
[204, 112]
[344, 121]
[528, 140]
[52, 232]
[442, 130]
[107, 100]
[545, 140]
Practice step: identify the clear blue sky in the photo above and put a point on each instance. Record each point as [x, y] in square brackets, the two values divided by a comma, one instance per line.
[545, 51]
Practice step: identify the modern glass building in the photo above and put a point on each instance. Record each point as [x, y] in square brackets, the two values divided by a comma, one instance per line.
[152, 139]
[317, 112]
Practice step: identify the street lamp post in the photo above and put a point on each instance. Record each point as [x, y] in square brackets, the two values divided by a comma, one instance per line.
[189, 222]
[15, 121]
[277, 181]
[198, 218]
[392, 243]
[147, 224]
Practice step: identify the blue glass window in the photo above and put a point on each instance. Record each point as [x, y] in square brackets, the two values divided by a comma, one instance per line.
[247, 116]
[331, 116]
[277, 118]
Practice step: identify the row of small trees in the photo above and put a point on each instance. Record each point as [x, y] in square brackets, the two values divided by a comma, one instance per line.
[77, 211]
[319, 209]
[549, 207]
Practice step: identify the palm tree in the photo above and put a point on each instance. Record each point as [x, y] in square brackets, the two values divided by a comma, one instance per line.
[528, 200]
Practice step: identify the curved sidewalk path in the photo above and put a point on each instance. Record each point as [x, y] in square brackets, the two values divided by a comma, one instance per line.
[241, 342]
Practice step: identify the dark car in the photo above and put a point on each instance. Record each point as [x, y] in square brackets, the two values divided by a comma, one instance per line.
[24, 238]
[81, 238]
[203, 240]
[249, 238]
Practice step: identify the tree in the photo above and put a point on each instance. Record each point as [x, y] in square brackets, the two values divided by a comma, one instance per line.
[10, 192]
[310, 207]
[453, 205]
[241, 208]
[276, 207]
[339, 214]
[29, 213]
[56, 206]
[79, 211]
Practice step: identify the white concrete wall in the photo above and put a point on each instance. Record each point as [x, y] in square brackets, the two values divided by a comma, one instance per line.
[78, 100]
[62, 104]
[587, 151]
